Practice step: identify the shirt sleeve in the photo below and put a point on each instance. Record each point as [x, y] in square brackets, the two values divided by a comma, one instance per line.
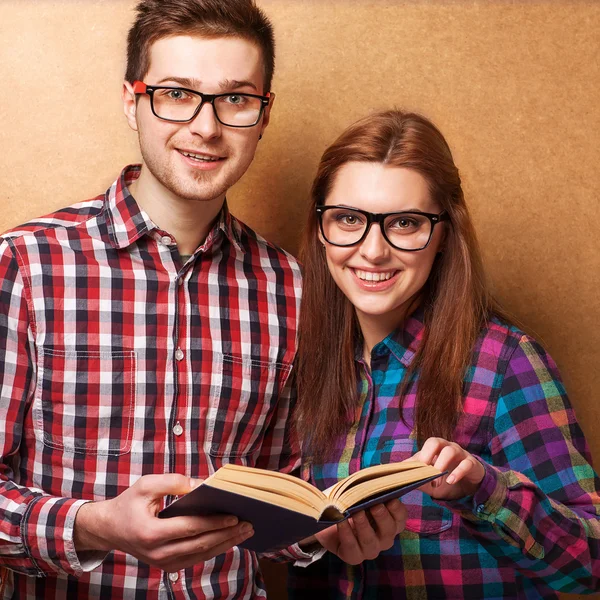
[36, 530]
[538, 506]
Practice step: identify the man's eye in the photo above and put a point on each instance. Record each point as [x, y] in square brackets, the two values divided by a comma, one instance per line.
[235, 99]
[176, 94]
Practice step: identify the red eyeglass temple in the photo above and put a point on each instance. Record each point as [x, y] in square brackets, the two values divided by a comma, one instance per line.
[139, 87]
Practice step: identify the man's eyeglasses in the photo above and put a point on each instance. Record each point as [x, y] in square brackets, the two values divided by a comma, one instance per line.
[180, 105]
[406, 230]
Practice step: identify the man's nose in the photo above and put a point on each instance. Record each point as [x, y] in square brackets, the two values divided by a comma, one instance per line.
[205, 123]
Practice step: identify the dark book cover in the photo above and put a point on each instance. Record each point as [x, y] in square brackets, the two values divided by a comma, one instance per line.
[274, 526]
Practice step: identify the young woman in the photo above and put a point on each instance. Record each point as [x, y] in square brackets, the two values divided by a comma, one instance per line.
[403, 353]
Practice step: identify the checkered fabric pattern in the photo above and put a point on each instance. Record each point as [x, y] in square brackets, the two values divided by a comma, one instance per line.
[118, 360]
[533, 526]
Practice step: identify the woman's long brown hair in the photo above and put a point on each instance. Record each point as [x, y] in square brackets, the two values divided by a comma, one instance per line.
[456, 300]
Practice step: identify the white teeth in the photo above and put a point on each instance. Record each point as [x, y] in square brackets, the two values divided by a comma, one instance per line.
[370, 276]
[201, 158]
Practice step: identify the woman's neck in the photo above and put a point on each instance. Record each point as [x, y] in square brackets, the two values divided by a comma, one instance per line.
[375, 328]
[375, 331]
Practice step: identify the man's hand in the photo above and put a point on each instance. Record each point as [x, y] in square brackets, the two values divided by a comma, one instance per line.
[465, 472]
[364, 536]
[129, 523]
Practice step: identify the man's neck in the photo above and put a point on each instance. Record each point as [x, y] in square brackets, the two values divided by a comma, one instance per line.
[188, 221]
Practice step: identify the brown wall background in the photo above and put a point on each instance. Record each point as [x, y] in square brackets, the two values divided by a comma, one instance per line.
[514, 86]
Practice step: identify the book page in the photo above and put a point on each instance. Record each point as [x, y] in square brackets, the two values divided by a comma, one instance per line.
[272, 482]
[371, 487]
[277, 499]
[372, 473]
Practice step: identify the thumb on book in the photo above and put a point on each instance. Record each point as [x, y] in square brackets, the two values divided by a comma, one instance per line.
[155, 485]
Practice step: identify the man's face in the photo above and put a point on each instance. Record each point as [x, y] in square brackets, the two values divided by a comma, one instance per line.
[221, 154]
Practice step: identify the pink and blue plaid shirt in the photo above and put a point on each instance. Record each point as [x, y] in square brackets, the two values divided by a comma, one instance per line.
[532, 528]
[118, 359]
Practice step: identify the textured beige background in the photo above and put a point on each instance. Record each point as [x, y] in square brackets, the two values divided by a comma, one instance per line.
[514, 85]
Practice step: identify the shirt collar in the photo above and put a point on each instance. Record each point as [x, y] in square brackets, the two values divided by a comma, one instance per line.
[127, 222]
[403, 342]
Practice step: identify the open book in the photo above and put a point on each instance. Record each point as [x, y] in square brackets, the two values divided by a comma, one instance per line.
[284, 509]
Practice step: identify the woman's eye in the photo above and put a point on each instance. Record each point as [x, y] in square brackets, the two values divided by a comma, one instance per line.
[349, 220]
[404, 223]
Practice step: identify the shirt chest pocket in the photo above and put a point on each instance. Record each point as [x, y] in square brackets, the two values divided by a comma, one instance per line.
[424, 516]
[243, 397]
[85, 400]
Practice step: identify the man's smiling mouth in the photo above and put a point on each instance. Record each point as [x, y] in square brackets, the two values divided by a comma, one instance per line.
[200, 157]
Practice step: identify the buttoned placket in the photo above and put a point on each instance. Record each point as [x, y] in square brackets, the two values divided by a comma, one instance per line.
[179, 353]
[362, 437]
[179, 348]
[366, 416]
[168, 252]
[356, 462]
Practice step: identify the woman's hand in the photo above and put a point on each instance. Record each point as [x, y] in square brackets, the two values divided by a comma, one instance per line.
[366, 533]
[465, 472]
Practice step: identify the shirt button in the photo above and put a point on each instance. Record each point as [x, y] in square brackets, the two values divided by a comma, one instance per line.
[166, 240]
[180, 281]
[173, 577]
[179, 354]
[177, 430]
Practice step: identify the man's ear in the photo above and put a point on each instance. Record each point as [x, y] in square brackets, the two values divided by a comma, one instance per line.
[129, 105]
[267, 114]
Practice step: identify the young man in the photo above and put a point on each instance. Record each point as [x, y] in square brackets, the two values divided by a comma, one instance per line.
[147, 337]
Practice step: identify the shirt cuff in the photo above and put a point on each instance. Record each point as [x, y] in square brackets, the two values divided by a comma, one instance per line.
[487, 500]
[47, 535]
[303, 558]
[295, 554]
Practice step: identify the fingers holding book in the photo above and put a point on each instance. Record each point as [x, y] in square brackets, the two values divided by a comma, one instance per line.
[366, 534]
[465, 471]
[129, 522]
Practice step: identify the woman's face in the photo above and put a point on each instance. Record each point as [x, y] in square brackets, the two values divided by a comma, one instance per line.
[378, 279]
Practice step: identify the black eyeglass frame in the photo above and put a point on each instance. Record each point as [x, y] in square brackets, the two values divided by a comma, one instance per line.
[380, 218]
[139, 87]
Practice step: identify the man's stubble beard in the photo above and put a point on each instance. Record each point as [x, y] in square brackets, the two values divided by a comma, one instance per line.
[200, 186]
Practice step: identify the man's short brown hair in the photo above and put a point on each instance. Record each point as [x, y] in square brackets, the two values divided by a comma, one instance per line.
[157, 19]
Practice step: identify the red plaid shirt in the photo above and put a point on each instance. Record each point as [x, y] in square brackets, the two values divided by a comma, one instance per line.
[117, 360]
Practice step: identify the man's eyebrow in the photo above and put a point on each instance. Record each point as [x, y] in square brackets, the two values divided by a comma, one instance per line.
[183, 81]
[234, 84]
[196, 84]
